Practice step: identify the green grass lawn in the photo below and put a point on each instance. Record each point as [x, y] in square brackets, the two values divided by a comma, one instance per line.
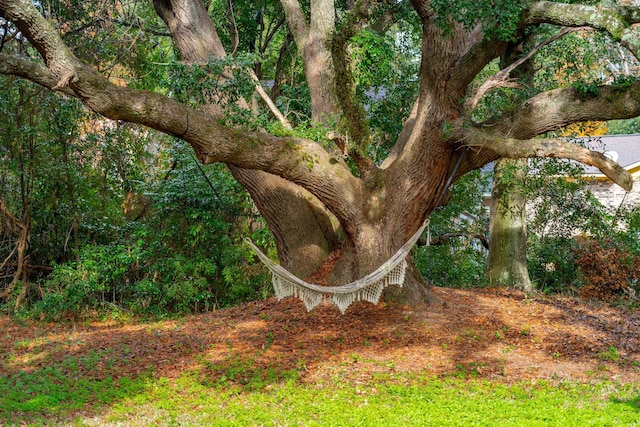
[49, 397]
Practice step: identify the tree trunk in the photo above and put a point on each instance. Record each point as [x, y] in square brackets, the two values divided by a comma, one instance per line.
[507, 264]
[313, 41]
[304, 232]
[21, 247]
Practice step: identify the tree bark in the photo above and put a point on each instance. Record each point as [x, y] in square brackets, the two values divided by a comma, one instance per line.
[507, 264]
[308, 234]
[312, 39]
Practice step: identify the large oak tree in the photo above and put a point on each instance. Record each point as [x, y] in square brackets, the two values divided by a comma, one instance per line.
[314, 201]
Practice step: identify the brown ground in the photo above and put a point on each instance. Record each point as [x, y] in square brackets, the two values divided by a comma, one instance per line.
[481, 332]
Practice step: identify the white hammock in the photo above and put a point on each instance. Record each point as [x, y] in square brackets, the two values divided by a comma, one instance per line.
[369, 288]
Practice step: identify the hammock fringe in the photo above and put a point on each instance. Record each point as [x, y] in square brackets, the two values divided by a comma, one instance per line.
[368, 288]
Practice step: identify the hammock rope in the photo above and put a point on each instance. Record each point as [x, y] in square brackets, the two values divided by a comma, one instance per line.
[368, 288]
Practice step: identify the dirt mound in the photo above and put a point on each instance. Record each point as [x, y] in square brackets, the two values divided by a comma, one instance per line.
[481, 332]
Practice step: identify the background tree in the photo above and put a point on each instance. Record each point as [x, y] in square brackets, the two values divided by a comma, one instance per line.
[507, 262]
[314, 200]
[37, 195]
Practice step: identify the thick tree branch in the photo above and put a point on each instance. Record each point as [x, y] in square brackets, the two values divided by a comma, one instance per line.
[554, 109]
[29, 70]
[192, 29]
[557, 108]
[313, 43]
[479, 51]
[43, 37]
[405, 133]
[322, 20]
[423, 9]
[303, 162]
[616, 20]
[516, 149]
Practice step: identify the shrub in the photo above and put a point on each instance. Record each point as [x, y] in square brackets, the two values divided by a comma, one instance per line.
[185, 255]
[460, 260]
[552, 263]
[606, 269]
[457, 263]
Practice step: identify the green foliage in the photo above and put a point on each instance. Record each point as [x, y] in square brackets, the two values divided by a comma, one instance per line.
[101, 276]
[294, 101]
[45, 177]
[387, 113]
[571, 60]
[498, 18]
[372, 56]
[628, 233]
[562, 206]
[199, 84]
[624, 82]
[185, 255]
[457, 261]
[552, 263]
[385, 70]
[586, 89]
[563, 203]
[623, 127]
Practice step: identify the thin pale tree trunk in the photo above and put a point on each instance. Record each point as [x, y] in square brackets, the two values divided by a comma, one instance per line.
[507, 264]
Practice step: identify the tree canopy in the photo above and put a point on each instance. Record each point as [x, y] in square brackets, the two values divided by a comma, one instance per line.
[374, 105]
